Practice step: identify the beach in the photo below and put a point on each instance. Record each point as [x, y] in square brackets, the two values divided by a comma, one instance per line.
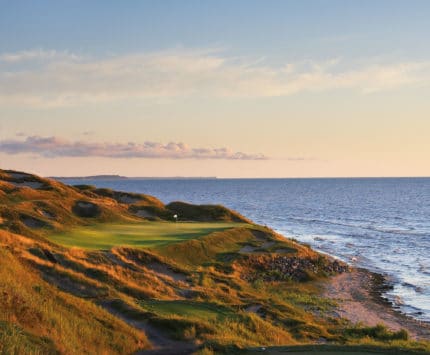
[359, 296]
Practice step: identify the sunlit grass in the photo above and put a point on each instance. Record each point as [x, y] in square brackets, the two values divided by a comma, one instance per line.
[186, 309]
[327, 350]
[181, 281]
[147, 234]
[37, 318]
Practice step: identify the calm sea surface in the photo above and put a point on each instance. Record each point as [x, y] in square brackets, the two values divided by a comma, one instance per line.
[383, 223]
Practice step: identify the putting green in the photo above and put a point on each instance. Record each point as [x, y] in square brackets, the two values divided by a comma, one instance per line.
[145, 235]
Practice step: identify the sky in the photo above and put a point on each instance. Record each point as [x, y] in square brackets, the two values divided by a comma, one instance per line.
[220, 88]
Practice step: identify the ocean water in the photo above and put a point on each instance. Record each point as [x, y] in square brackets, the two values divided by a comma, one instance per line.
[381, 224]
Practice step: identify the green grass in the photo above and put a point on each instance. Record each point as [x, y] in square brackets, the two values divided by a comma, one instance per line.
[328, 350]
[75, 300]
[212, 323]
[146, 234]
[209, 249]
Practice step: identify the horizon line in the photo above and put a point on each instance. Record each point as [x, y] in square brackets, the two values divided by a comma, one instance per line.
[120, 177]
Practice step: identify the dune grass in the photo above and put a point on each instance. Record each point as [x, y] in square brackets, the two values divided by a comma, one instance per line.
[145, 234]
[186, 309]
[328, 350]
[209, 249]
[37, 318]
[191, 282]
[213, 324]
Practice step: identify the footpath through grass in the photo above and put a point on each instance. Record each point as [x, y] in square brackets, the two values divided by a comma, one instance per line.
[144, 235]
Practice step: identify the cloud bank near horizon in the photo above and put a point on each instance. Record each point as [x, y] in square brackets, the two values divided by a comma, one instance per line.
[54, 147]
[49, 78]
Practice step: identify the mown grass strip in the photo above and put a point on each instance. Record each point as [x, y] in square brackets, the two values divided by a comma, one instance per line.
[144, 235]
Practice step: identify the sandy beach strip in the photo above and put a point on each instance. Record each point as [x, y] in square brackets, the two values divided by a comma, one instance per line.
[360, 300]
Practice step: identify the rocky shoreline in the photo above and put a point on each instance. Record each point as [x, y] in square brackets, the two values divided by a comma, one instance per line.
[279, 267]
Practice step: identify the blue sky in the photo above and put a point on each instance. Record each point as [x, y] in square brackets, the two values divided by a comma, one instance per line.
[226, 88]
[299, 29]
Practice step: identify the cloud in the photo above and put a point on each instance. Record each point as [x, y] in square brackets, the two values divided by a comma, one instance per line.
[36, 54]
[53, 147]
[50, 78]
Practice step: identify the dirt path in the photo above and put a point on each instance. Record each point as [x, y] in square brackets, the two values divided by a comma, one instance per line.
[162, 344]
[359, 299]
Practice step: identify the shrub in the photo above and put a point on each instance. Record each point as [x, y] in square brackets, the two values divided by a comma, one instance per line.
[379, 332]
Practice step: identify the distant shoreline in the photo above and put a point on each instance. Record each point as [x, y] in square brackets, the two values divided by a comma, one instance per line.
[119, 177]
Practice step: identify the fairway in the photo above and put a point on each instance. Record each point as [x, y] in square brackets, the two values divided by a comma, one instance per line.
[145, 235]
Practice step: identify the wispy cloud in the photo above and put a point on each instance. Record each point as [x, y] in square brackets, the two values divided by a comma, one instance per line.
[36, 54]
[53, 147]
[59, 78]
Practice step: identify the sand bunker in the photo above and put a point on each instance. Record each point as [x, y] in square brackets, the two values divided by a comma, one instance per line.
[86, 209]
[32, 222]
[144, 214]
[18, 175]
[254, 308]
[165, 270]
[267, 245]
[247, 249]
[128, 199]
[30, 184]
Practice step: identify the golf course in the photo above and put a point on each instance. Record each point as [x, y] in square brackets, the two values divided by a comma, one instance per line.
[139, 235]
[89, 270]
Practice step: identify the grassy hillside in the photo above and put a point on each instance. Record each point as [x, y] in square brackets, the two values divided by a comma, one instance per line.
[39, 318]
[87, 270]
